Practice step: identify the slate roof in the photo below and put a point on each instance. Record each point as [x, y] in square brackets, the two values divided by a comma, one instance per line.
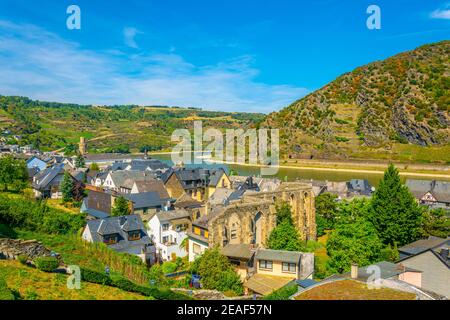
[439, 189]
[306, 283]
[387, 270]
[220, 196]
[360, 186]
[147, 164]
[123, 178]
[97, 204]
[278, 255]
[119, 225]
[422, 245]
[192, 178]
[172, 214]
[240, 251]
[152, 186]
[46, 176]
[146, 200]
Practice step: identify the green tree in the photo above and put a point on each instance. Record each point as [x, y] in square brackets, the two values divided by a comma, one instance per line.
[121, 207]
[283, 212]
[436, 223]
[67, 187]
[284, 236]
[79, 161]
[216, 272]
[94, 166]
[394, 212]
[326, 212]
[353, 242]
[390, 253]
[13, 173]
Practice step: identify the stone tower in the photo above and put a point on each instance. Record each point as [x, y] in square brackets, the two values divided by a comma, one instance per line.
[82, 146]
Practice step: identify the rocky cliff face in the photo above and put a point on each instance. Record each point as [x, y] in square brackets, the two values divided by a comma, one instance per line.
[405, 99]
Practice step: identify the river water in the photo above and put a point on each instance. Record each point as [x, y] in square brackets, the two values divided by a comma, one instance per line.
[283, 173]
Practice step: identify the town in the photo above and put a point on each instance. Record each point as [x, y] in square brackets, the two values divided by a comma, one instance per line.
[207, 233]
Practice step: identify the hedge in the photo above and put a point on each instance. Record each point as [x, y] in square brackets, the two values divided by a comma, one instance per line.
[95, 277]
[127, 285]
[47, 264]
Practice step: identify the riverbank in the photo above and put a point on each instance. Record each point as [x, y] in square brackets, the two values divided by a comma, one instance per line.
[372, 167]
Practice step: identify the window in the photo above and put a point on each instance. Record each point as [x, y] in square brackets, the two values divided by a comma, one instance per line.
[233, 231]
[165, 226]
[197, 249]
[289, 267]
[134, 235]
[110, 239]
[265, 264]
[165, 239]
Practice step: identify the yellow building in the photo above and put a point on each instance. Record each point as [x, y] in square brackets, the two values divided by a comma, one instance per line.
[198, 183]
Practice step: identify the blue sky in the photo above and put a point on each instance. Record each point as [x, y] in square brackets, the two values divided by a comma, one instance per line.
[247, 55]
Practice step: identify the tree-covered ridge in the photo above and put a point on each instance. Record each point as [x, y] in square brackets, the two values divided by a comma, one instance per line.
[405, 98]
[51, 125]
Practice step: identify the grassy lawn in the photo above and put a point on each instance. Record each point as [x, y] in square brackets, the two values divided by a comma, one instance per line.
[353, 290]
[69, 208]
[35, 284]
[94, 257]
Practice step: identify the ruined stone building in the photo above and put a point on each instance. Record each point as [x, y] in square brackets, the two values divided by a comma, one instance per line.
[250, 219]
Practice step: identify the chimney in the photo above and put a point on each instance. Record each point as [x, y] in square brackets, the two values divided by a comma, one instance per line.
[354, 271]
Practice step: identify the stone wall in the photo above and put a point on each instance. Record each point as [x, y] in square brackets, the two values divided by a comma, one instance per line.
[12, 248]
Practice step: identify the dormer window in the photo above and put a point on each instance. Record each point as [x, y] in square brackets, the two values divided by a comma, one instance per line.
[110, 239]
[134, 235]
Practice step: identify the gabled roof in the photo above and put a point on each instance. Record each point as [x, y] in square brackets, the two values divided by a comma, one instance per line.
[146, 200]
[387, 270]
[191, 178]
[240, 251]
[147, 164]
[278, 255]
[46, 176]
[152, 186]
[120, 226]
[360, 185]
[172, 214]
[96, 202]
[439, 189]
[126, 178]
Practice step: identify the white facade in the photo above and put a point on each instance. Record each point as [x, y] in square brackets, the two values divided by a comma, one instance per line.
[166, 238]
[109, 182]
[196, 248]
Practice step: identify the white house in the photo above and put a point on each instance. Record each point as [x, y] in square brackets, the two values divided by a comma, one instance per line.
[168, 231]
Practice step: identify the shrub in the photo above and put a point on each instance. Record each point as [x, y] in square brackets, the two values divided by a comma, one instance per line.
[168, 267]
[7, 232]
[22, 259]
[47, 264]
[283, 293]
[95, 277]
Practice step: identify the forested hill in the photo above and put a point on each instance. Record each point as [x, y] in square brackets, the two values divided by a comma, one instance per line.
[404, 99]
[51, 125]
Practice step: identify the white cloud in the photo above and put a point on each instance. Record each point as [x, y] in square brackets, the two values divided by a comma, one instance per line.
[41, 65]
[129, 34]
[443, 13]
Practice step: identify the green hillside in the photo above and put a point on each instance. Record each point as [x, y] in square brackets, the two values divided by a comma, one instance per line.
[50, 125]
[383, 109]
